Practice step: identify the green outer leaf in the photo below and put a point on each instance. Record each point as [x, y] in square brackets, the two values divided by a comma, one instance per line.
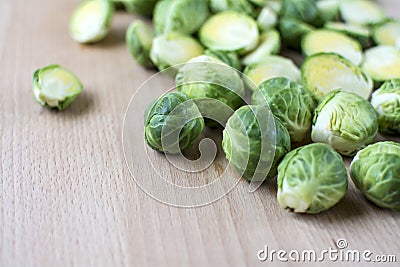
[142, 7]
[293, 30]
[139, 38]
[311, 179]
[242, 6]
[302, 10]
[228, 57]
[376, 172]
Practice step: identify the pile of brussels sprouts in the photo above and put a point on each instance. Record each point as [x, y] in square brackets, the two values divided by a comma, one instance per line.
[351, 47]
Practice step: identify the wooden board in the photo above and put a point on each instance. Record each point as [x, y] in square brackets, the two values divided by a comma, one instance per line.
[67, 197]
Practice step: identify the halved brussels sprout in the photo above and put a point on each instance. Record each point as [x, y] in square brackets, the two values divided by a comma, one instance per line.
[229, 58]
[205, 77]
[267, 19]
[358, 32]
[311, 179]
[91, 21]
[55, 87]
[142, 7]
[172, 123]
[243, 6]
[230, 31]
[174, 48]
[290, 102]
[293, 30]
[328, 9]
[302, 10]
[270, 43]
[361, 12]
[388, 33]
[139, 38]
[270, 67]
[382, 63]
[345, 121]
[386, 101]
[325, 72]
[254, 142]
[375, 171]
[328, 41]
[184, 16]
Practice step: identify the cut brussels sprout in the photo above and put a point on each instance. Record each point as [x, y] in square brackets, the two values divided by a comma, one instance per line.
[361, 33]
[328, 41]
[243, 6]
[174, 48]
[270, 43]
[388, 33]
[361, 12]
[328, 9]
[91, 21]
[302, 10]
[184, 16]
[230, 31]
[375, 171]
[267, 19]
[386, 101]
[139, 38]
[205, 77]
[55, 87]
[325, 72]
[311, 179]
[345, 121]
[293, 30]
[382, 63]
[229, 58]
[142, 7]
[270, 67]
[254, 142]
[172, 123]
[290, 102]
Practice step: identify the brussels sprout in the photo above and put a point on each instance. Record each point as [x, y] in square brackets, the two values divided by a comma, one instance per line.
[290, 102]
[230, 31]
[302, 10]
[205, 77]
[91, 21]
[382, 63]
[293, 30]
[361, 12]
[328, 9]
[325, 72]
[243, 6]
[254, 142]
[375, 171]
[184, 16]
[386, 101]
[139, 38]
[142, 7]
[172, 123]
[174, 48]
[55, 87]
[267, 19]
[270, 67]
[270, 43]
[229, 58]
[361, 33]
[311, 179]
[345, 121]
[328, 41]
[387, 33]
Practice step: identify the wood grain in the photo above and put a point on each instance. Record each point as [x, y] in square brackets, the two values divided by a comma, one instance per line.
[68, 199]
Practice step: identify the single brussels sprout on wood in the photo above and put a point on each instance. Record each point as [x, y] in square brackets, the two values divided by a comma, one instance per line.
[375, 171]
[311, 179]
[139, 38]
[172, 123]
[382, 63]
[345, 121]
[254, 142]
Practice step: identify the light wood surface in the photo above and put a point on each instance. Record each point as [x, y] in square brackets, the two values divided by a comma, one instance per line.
[67, 197]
